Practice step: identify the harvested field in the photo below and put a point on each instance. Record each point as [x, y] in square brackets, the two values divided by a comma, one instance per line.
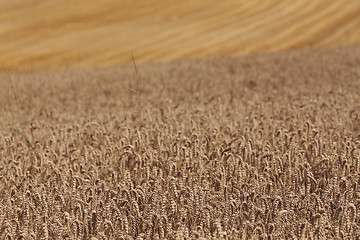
[257, 147]
[56, 35]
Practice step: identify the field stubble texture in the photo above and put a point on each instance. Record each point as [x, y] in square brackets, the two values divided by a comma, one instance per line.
[262, 147]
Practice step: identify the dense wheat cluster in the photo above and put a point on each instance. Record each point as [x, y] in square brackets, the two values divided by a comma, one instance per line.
[263, 147]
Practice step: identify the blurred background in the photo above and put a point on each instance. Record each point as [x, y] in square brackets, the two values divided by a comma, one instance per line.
[39, 35]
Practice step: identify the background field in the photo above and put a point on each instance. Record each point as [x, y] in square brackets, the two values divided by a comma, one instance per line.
[46, 35]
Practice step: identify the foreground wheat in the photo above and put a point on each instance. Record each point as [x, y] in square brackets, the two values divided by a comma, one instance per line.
[261, 148]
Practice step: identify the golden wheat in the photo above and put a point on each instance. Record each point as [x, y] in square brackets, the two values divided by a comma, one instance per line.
[264, 147]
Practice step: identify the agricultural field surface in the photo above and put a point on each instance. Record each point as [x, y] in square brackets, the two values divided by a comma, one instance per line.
[38, 35]
[255, 147]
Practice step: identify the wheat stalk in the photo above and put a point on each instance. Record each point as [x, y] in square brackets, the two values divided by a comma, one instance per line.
[18, 111]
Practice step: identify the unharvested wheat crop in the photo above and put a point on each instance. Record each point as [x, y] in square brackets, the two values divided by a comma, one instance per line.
[260, 147]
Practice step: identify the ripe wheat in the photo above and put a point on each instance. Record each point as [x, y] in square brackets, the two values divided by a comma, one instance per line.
[268, 150]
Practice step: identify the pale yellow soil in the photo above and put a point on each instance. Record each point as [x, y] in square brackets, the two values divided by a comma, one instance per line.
[46, 35]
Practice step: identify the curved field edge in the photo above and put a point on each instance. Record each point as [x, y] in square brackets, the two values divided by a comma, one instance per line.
[40, 36]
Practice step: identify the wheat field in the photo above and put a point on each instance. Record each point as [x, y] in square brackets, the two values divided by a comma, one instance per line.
[259, 147]
[42, 35]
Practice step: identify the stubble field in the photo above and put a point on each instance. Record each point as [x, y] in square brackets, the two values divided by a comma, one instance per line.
[45, 36]
[258, 147]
